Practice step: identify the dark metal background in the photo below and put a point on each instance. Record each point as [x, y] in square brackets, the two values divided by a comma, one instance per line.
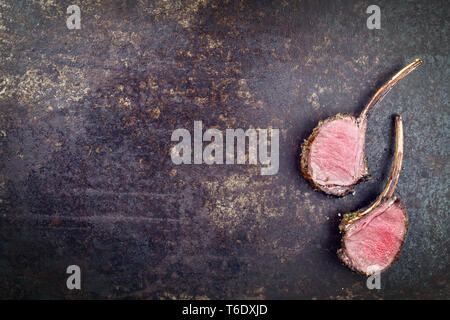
[86, 117]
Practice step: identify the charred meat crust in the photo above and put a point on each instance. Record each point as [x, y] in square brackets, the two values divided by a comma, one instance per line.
[343, 226]
[332, 190]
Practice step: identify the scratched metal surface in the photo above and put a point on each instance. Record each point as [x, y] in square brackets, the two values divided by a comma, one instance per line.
[86, 118]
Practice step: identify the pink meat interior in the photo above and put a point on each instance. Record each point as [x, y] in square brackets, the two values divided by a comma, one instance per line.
[337, 153]
[373, 242]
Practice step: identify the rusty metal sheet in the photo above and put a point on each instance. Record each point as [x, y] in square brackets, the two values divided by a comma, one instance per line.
[86, 118]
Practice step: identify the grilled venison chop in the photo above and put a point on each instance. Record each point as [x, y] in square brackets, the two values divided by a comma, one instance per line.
[372, 238]
[333, 157]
